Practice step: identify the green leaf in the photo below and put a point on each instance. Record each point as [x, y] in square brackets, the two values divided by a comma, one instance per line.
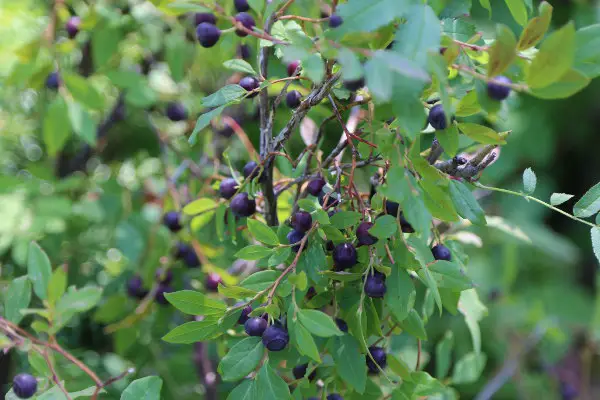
[502, 52]
[82, 122]
[241, 358]
[362, 16]
[399, 367]
[105, 44]
[37, 361]
[196, 303]
[203, 122]
[237, 64]
[262, 232]
[384, 227]
[469, 368]
[236, 292]
[480, 133]
[587, 52]
[413, 325]
[443, 355]
[305, 343]
[260, 280]
[452, 276]
[448, 138]
[314, 68]
[255, 252]
[473, 310]
[529, 181]
[486, 4]
[401, 294]
[438, 202]
[345, 219]
[419, 35]
[182, 7]
[342, 276]
[38, 269]
[195, 331]
[589, 204]
[279, 255]
[318, 323]
[225, 95]
[379, 75]
[147, 388]
[468, 105]
[536, 28]
[257, 5]
[56, 131]
[176, 54]
[466, 204]
[244, 391]
[199, 206]
[559, 198]
[57, 285]
[270, 386]
[83, 92]
[349, 362]
[17, 298]
[350, 64]
[567, 85]
[518, 10]
[554, 59]
[595, 233]
[75, 301]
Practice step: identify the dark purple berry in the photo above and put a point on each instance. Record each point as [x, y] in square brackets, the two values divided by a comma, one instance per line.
[244, 316]
[335, 396]
[212, 281]
[176, 112]
[247, 21]
[568, 391]
[378, 354]
[250, 83]
[329, 246]
[255, 326]
[293, 99]
[242, 206]
[186, 253]
[207, 34]
[315, 186]
[24, 386]
[299, 371]
[302, 221]
[159, 296]
[53, 80]
[341, 324]
[243, 51]
[208, 18]
[344, 256]
[405, 225]
[241, 5]
[437, 117]
[163, 276]
[311, 292]
[355, 84]
[335, 21]
[251, 169]
[441, 252]
[135, 287]
[147, 63]
[497, 88]
[291, 67]
[275, 337]
[227, 188]
[375, 285]
[391, 208]
[363, 235]
[72, 26]
[295, 236]
[328, 200]
[172, 221]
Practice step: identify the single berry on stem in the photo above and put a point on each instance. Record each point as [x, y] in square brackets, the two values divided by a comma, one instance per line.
[207, 34]
[255, 326]
[391, 208]
[375, 285]
[275, 337]
[72, 26]
[315, 186]
[250, 83]
[245, 315]
[293, 99]
[441, 252]
[247, 21]
[135, 287]
[208, 18]
[328, 200]
[241, 5]
[159, 296]
[378, 354]
[242, 206]
[53, 80]
[163, 276]
[301, 221]
[251, 170]
[335, 21]
[295, 236]
[212, 281]
[498, 88]
[437, 118]
[243, 51]
[228, 187]
[405, 225]
[172, 220]
[24, 386]
[354, 84]
[341, 324]
[335, 396]
[363, 236]
[176, 112]
[344, 256]
[291, 67]
[299, 371]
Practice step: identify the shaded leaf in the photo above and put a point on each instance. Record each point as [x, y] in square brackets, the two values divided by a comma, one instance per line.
[196, 303]
[554, 59]
[241, 359]
[589, 204]
[147, 388]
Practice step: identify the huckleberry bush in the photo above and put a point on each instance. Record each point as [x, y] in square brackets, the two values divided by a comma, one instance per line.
[301, 239]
